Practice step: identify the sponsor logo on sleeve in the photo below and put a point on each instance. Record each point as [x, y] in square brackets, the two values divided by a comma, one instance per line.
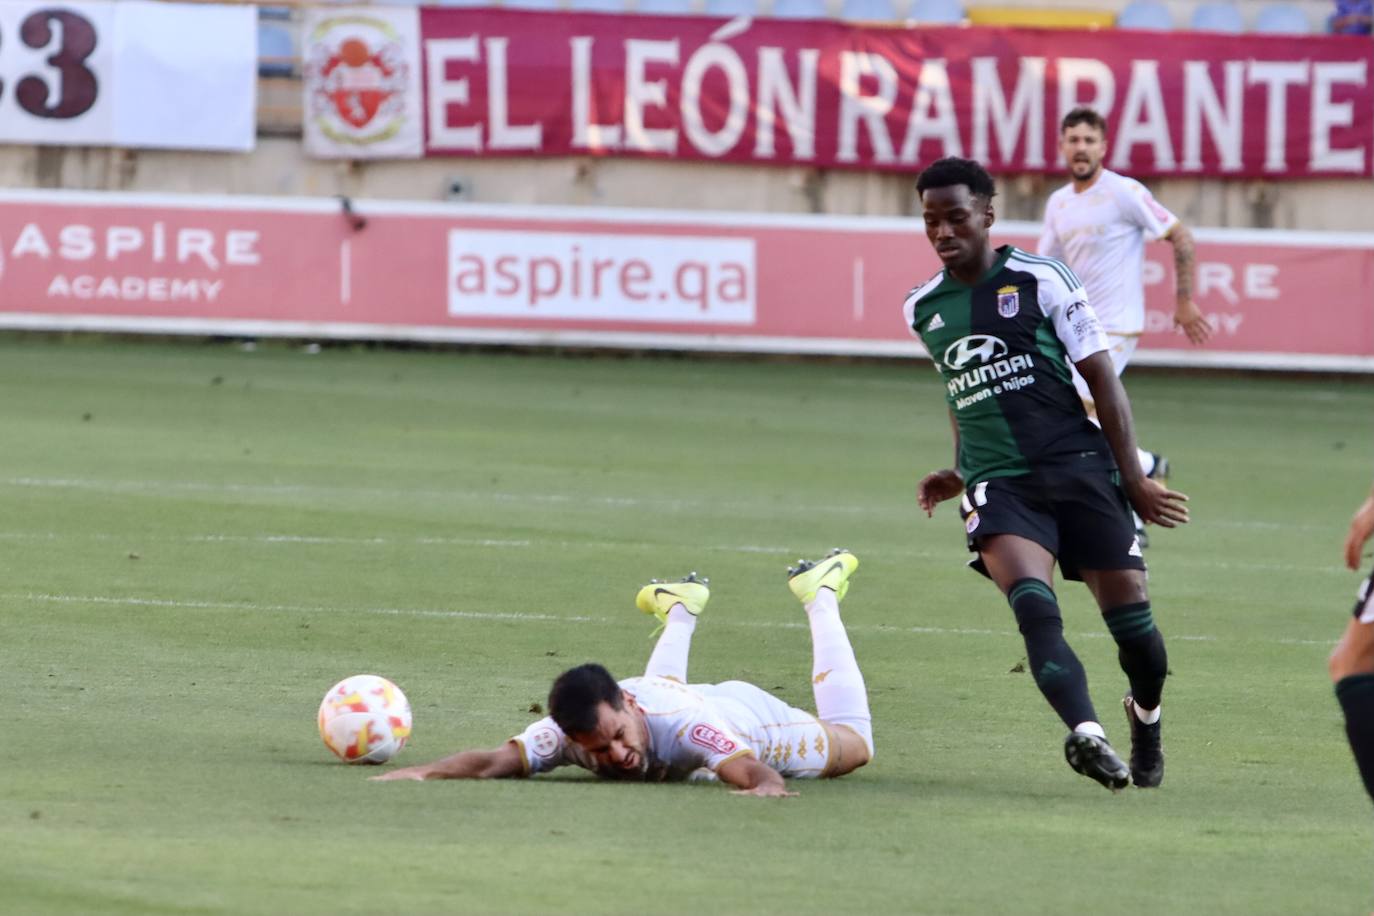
[1083, 321]
[545, 743]
[712, 740]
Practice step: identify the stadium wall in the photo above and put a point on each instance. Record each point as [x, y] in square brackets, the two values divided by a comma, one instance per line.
[604, 277]
[279, 166]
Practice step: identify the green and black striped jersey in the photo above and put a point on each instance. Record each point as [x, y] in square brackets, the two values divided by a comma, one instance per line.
[1003, 347]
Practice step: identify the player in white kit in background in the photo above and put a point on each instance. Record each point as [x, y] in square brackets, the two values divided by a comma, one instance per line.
[1098, 224]
[660, 728]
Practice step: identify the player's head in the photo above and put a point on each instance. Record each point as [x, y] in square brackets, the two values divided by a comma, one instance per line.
[956, 202]
[1083, 142]
[602, 719]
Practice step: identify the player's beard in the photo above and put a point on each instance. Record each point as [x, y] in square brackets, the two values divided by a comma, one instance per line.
[1076, 169]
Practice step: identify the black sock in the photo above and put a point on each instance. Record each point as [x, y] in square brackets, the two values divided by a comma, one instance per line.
[1057, 671]
[1356, 694]
[1140, 649]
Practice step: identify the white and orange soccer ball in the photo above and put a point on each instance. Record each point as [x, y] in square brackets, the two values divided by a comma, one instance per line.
[365, 719]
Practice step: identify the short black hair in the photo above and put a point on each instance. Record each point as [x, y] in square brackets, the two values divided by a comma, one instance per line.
[950, 171]
[576, 694]
[1084, 115]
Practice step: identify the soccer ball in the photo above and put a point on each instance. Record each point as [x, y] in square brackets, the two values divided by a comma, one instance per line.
[365, 719]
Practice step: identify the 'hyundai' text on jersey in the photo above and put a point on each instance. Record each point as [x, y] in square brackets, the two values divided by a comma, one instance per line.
[1003, 347]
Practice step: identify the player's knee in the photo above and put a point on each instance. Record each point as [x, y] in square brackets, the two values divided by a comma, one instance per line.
[853, 746]
[1347, 661]
[1341, 663]
[1336, 665]
[1118, 587]
[1354, 654]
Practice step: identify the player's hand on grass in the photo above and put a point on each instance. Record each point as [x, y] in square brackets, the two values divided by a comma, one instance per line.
[1361, 527]
[414, 773]
[938, 486]
[1194, 324]
[1157, 504]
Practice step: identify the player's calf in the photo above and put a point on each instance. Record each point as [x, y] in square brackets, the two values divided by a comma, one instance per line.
[836, 681]
[1056, 669]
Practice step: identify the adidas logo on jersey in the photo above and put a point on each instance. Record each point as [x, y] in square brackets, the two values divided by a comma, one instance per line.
[936, 323]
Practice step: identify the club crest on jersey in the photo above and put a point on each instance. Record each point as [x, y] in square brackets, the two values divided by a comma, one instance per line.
[1008, 302]
[545, 743]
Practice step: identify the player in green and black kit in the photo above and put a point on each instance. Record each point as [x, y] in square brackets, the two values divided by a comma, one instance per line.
[1041, 483]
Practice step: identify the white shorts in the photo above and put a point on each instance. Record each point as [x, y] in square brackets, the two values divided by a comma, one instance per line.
[1120, 347]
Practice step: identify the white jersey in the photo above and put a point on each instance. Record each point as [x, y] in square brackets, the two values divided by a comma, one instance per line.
[696, 726]
[1101, 234]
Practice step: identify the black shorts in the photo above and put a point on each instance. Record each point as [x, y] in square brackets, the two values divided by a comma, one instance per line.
[1364, 607]
[1079, 514]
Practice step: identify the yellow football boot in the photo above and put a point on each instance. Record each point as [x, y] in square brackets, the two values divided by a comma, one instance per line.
[832, 572]
[657, 598]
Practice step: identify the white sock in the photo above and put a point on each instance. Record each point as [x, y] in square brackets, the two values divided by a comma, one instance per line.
[669, 658]
[1091, 728]
[1147, 461]
[1146, 716]
[841, 697]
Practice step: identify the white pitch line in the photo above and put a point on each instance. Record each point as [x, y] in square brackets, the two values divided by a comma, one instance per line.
[161, 488]
[523, 543]
[110, 600]
[291, 608]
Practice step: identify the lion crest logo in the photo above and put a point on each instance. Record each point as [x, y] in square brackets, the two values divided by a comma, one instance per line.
[359, 78]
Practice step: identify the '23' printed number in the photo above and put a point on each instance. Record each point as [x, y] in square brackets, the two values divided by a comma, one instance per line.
[75, 39]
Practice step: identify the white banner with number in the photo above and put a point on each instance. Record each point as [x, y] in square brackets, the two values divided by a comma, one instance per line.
[362, 83]
[131, 73]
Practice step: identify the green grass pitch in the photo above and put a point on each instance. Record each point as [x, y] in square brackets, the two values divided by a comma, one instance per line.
[199, 540]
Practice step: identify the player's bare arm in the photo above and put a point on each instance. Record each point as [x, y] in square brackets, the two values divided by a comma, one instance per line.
[946, 483]
[1154, 502]
[1186, 313]
[497, 763]
[1361, 527]
[750, 777]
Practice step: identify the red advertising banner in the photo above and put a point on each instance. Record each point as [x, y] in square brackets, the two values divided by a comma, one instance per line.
[650, 279]
[509, 82]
